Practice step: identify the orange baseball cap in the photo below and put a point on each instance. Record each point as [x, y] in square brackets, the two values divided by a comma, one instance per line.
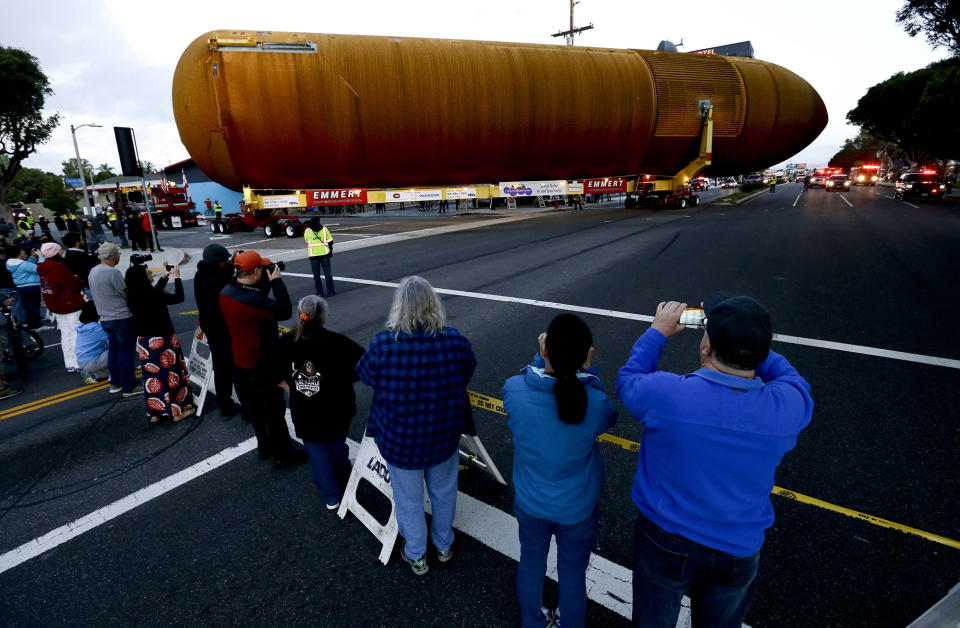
[250, 260]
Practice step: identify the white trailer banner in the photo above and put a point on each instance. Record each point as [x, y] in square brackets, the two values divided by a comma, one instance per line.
[461, 193]
[575, 187]
[281, 200]
[532, 188]
[404, 196]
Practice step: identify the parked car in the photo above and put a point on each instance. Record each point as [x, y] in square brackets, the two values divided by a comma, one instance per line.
[729, 182]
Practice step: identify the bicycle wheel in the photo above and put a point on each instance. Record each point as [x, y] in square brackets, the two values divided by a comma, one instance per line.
[15, 342]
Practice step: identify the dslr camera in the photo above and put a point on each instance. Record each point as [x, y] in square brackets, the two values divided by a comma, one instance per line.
[140, 258]
[278, 264]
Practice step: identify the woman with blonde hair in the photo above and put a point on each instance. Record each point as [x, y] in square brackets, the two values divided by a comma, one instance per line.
[419, 369]
[317, 368]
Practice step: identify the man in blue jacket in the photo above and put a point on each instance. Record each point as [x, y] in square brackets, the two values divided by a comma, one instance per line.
[712, 442]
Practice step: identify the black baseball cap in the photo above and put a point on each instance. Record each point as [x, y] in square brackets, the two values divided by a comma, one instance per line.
[739, 329]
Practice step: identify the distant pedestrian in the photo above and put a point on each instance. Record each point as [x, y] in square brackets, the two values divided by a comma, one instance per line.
[317, 368]
[146, 238]
[135, 231]
[577, 202]
[165, 378]
[209, 207]
[773, 186]
[556, 410]
[79, 260]
[45, 227]
[60, 223]
[711, 445]
[218, 211]
[419, 369]
[320, 249]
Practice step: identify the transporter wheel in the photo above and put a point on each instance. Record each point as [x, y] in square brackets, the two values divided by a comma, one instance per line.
[682, 202]
[629, 203]
[213, 227]
[292, 229]
[695, 200]
[271, 229]
[165, 222]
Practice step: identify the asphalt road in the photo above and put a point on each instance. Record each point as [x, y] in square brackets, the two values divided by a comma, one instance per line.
[245, 544]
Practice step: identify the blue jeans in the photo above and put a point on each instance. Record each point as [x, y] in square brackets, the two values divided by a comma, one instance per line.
[574, 542]
[407, 486]
[320, 263]
[331, 467]
[665, 566]
[122, 349]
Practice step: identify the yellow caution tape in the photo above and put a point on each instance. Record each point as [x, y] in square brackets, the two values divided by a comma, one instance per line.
[495, 405]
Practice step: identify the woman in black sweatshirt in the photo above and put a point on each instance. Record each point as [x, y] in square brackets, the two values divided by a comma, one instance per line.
[165, 377]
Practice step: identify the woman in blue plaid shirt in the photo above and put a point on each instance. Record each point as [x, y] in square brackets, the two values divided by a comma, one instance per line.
[419, 370]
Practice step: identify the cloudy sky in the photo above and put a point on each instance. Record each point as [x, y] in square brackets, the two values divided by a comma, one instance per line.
[111, 62]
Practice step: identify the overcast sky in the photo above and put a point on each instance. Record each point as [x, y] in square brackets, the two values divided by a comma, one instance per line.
[111, 62]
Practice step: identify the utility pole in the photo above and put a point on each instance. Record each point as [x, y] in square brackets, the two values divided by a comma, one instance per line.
[568, 35]
[83, 177]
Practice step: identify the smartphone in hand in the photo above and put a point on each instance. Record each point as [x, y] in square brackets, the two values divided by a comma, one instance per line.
[692, 316]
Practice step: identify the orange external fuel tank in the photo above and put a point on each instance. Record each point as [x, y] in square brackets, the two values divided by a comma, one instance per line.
[300, 110]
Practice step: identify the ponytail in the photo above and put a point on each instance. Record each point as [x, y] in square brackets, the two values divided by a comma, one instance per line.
[568, 343]
[312, 312]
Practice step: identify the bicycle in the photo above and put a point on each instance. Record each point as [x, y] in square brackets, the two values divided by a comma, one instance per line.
[23, 345]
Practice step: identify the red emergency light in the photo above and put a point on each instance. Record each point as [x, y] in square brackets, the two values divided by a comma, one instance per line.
[929, 172]
[870, 167]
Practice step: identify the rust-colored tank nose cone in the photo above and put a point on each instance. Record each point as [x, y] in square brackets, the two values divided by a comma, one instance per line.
[301, 110]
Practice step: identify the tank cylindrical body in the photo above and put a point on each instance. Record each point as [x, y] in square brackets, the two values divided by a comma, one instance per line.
[299, 110]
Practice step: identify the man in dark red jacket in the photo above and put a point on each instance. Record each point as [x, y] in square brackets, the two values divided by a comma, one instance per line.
[252, 318]
[63, 293]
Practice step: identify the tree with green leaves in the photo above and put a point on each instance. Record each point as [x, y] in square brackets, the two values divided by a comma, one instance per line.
[23, 126]
[70, 170]
[858, 151]
[917, 111]
[104, 172]
[938, 20]
[30, 185]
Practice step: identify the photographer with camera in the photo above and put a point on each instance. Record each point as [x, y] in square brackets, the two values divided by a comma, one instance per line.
[110, 294]
[252, 318]
[711, 445]
[165, 376]
[214, 273]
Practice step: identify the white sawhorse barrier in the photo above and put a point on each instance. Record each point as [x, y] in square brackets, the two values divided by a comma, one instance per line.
[200, 366]
[369, 465]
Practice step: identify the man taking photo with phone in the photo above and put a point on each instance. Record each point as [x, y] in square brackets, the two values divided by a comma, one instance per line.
[252, 317]
[711, 445]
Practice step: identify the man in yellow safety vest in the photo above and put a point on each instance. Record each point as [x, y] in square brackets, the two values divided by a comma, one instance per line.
[320, 248]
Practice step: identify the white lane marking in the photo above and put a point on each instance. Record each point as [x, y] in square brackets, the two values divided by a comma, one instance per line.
[608, 583]
[797, 199]
[844, 199]
[249, 243]
[64, 533]
[220, 237]
[797, 340]
[910, 204]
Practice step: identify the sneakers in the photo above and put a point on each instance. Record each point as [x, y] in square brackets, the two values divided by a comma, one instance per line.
[115, 389]
[445, 556]
[419, 566]
[73, 370]
[333, 506]
[133, 393]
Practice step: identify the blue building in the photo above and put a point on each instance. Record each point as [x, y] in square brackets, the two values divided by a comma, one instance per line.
[202, 188]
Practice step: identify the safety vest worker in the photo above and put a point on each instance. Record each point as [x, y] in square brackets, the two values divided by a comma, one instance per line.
[217, 209]
[318, 242]
[111, 216]
[22, 227]
[29, 218]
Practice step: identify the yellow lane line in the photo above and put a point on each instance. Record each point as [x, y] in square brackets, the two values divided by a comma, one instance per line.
[493, 404]
[55, 399]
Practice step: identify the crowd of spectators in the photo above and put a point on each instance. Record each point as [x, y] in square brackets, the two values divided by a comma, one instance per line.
[712, 442]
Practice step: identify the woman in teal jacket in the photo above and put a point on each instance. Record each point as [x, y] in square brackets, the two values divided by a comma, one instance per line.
[557, 409]
[23, 268]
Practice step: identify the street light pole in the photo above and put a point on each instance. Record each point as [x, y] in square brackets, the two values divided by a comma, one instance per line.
[83, 178]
